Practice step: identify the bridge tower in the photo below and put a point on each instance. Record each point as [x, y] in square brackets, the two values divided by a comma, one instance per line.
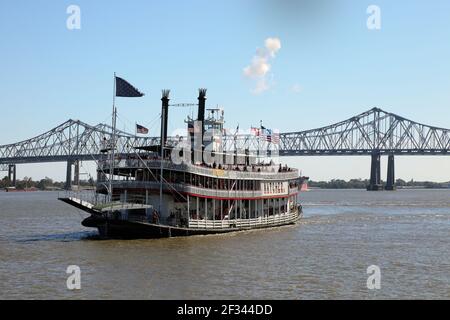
[390, 181]
[68, 185]
[76, 176]
[12, 174]
[375, 172]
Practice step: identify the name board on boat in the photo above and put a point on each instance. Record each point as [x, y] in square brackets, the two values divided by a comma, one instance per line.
[218, 172]
[275, 188]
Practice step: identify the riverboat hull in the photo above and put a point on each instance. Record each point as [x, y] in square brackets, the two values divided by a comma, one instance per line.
[143, 230]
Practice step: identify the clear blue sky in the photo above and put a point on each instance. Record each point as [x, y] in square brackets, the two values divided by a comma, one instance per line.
[329, 67]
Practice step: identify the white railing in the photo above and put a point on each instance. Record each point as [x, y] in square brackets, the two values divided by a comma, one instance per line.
[267, 172]
[85, 196]
[244, 223]
[99, 201]
[181, 187]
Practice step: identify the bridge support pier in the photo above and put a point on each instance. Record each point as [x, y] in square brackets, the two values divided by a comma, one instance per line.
[76, 176]
[12, 175]
[390, 181]
[375, 173]
[68, 185]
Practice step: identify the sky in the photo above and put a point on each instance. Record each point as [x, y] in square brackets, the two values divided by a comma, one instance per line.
[295, 65]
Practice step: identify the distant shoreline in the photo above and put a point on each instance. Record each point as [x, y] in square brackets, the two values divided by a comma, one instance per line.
[364, 189]
[48, 184]
[362, 184]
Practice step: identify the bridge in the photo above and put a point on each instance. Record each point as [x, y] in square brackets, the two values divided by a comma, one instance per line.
[372, 133]
[71, 142]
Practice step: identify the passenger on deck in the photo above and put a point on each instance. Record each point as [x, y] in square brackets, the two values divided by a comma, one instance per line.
[155, 216]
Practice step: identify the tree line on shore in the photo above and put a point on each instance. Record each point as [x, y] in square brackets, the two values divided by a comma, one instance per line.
[48, 184]
[363, 183]
[43, 184]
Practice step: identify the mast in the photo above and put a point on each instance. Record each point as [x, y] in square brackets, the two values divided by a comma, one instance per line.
[113, 143]
[261, 135]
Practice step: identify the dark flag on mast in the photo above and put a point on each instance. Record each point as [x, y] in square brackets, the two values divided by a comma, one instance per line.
[124, 89]
[141, 129]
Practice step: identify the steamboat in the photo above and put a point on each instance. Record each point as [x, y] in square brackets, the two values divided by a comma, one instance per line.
[191, 185]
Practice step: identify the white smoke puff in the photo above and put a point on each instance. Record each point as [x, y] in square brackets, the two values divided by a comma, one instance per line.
[273, 45]
[260, 66]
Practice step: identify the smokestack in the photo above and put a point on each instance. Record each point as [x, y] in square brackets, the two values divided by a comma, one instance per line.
[201, 107]
[164, 116]
[201, 118]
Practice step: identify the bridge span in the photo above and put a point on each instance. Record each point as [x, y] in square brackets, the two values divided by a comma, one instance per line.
[372, 133]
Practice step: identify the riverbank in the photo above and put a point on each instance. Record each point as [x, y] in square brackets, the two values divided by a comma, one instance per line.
[362, 184]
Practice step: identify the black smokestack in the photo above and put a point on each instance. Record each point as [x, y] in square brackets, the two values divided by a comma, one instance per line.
[201, 107]
[164, 116]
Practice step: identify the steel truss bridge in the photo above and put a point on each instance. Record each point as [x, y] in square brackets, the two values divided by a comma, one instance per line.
[374, 132]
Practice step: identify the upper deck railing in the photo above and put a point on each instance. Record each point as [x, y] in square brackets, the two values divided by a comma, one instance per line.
[201, 191]
[270, 172]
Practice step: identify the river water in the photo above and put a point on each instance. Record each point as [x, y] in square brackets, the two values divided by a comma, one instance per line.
[405, 233]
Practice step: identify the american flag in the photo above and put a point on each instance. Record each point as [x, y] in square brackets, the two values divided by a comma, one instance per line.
[276, 138]
[268, 134]
[255, 131]
[141, 129]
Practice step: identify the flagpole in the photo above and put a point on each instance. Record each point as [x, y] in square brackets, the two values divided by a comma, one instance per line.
[163, 115]
[235, 145]
[113, 138]
[259, 140]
